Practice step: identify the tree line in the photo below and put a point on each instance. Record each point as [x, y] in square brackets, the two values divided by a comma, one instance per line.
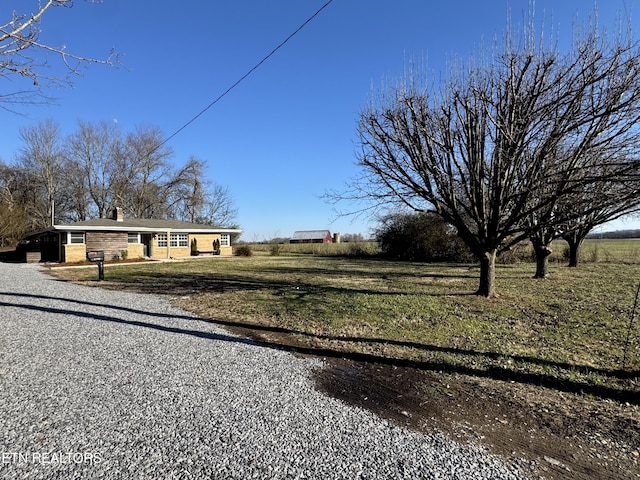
[523, 142]
[85, 174]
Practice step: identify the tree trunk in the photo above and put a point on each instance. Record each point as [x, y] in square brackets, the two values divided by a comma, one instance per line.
[574, 250]
[487, 274]
[542, 253]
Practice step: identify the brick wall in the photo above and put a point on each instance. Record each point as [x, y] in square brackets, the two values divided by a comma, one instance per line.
[135, 250]
[74, 252]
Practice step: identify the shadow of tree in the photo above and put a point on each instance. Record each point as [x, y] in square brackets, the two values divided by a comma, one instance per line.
[285, 342]
[186, 283]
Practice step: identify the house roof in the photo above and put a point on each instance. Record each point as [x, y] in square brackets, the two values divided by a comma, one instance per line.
[141, 225]
[310, 234]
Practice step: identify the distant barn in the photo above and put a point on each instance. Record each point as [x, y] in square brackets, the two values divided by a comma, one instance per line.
[312, 236]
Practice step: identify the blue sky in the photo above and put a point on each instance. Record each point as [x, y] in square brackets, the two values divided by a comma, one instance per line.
[287, 133]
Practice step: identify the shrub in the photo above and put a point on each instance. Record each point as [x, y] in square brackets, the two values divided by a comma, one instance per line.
[519, 253]
[275, 249]
[359, 249]
[421, 237]
[244, 251]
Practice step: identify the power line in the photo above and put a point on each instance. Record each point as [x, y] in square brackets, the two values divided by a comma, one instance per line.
[253, 69]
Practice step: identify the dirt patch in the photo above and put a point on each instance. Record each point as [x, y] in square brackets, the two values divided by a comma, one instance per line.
[568, 436]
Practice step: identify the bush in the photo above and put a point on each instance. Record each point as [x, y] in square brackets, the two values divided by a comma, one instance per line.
[244, 251]
[360, 250]
[423, 237]
[519, 253]
[275, 249]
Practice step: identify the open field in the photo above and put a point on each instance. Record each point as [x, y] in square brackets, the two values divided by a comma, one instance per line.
[592, 251]
[553, 356]
[625, 250]
[343, 249]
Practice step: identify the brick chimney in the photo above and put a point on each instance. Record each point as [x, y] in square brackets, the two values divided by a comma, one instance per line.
[118, 216]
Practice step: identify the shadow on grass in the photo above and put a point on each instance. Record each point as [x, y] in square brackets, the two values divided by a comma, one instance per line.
[185, 283]
[252, 332]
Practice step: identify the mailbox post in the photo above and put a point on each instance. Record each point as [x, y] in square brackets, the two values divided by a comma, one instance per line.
[97, 256]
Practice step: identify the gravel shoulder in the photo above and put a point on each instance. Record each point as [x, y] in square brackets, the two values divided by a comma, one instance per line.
[108, 384]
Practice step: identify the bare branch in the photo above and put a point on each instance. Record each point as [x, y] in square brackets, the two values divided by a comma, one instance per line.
[23, 55]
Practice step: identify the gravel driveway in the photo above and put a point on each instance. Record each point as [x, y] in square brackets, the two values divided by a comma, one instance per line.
[104, 384]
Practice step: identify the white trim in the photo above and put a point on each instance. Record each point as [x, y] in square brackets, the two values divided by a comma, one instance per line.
[94, 228]
[84, 239]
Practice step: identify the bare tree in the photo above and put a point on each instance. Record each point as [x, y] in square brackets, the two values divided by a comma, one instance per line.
[149, 177]
[219, 209]
[94, 151]
[198, 200]
[190, 191]
[14, 220]
[75, 189]
[597, 203]
[41, 156]
[483, 149]
[23, 55]
[583, 198]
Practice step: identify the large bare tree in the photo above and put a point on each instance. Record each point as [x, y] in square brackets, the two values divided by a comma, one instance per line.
[94, 152]
[41, 156]
[200, 200]
[483, 149]
[149, 177]
[24, 55]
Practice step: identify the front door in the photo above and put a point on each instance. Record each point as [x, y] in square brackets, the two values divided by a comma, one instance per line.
[147, 244]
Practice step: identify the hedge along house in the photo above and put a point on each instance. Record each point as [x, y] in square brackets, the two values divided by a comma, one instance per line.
[131, 238]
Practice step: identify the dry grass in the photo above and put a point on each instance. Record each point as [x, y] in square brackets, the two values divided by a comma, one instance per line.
[568, 331]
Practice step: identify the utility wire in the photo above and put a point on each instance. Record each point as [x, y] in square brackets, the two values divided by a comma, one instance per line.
[221, 96]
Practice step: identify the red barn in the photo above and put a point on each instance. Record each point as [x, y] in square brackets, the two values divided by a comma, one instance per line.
[312, 236]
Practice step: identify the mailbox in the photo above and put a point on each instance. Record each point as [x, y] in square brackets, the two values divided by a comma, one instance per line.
[97, 256]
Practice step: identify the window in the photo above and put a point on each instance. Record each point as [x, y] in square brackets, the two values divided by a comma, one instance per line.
[225, 240]
[162, 239]
[133, 238]
[76, 237]
[179, 240]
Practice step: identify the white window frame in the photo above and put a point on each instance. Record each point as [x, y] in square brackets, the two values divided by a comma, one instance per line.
[162, 240]
[179, 240]
[225, 240]
[72, 240]
[130, 236]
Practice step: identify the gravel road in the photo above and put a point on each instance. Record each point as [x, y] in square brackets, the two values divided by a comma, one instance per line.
[105, 384]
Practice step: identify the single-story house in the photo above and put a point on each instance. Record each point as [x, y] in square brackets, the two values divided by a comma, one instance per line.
[130, 238]
[311, 236]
